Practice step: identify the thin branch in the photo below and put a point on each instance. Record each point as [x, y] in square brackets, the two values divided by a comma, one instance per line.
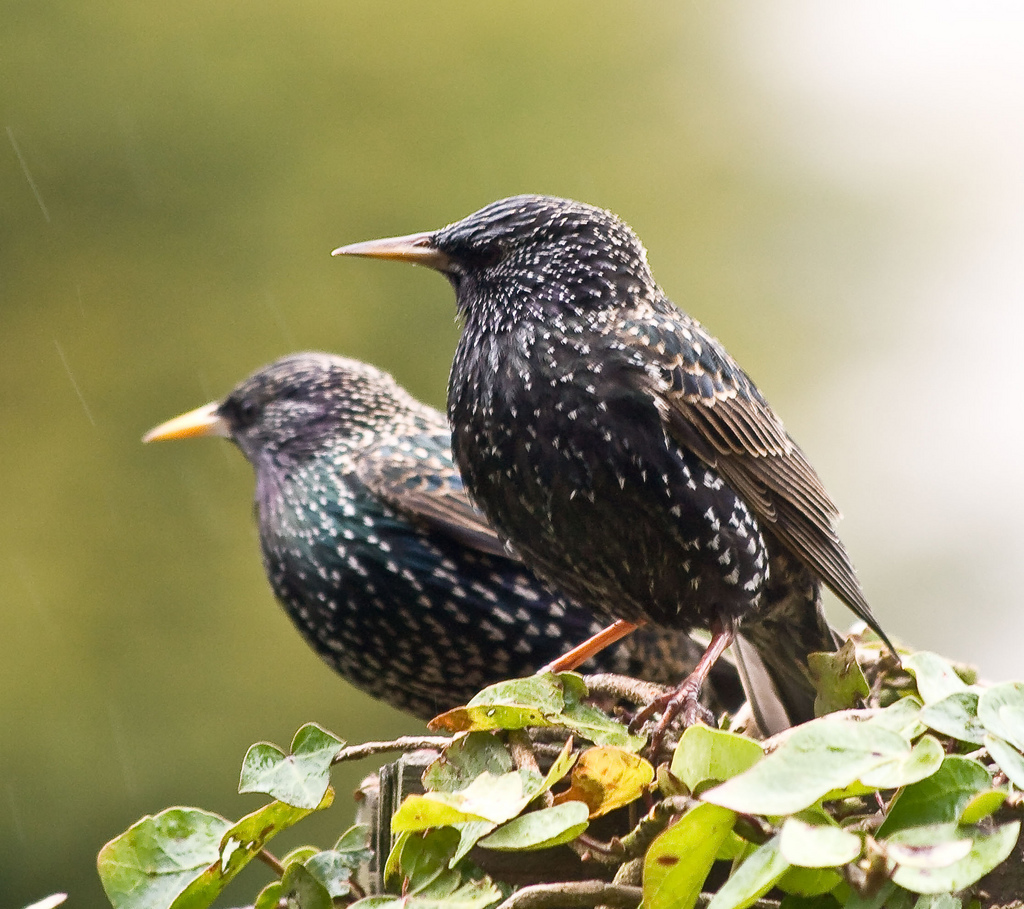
[623, 687]
[574, 895]
[271, 861]
[403, 743]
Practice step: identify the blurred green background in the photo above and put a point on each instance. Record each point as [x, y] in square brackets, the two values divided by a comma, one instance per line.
[833, 189]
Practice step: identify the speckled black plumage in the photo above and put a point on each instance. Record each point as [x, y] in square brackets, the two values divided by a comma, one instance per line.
[616, 444]
[372, 547]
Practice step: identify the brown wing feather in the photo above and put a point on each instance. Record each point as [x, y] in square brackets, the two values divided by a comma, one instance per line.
[430, 491]
[712, 408]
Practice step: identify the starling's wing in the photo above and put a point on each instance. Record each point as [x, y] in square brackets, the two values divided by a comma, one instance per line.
[416, 476]
[712, 408]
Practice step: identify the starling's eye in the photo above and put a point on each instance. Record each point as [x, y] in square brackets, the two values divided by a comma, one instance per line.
[481, 255]
[243, 412]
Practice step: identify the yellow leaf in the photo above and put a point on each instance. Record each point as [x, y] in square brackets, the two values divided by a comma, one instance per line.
[606, 778]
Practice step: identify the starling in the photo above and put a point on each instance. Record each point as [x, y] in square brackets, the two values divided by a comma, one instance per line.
[621, 451]
[374, 550]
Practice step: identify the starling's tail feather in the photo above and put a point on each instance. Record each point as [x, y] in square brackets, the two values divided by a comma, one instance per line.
[777, 646]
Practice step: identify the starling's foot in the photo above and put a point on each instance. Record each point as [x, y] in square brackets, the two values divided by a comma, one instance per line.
[683, 702]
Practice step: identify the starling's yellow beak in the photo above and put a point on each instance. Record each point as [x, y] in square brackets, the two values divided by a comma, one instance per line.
[203, 421]
[417, 249]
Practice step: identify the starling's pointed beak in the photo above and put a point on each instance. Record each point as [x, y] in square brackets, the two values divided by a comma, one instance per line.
[418, 249]
[203, 421]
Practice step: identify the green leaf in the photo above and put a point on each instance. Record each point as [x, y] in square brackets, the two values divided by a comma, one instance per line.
[817, 758]
[469, 835]
[939, 799]
[270, 896]
[809, 882]
[422, 860]
[515, 704]
[470, 895]
[756, 875]
[938, 901]
[957, 716]
[593, 724]
[678, 861]
[539, 700]
[987, 850]
[1009, 759]
[982, 805]
[817, 845]
[902, 716]
[936, 678]
[540, 829]
[239, 846]
[155, 859]
[299, 779]
[333, 870]
[705, 755]
[920, 763]
[354, 845]
[300, 854]
[465, 759]
[838, 679]
[1001, 711]
[488, 798]
[300, 887]
[427, 882]
[607, 778]
[423, 812]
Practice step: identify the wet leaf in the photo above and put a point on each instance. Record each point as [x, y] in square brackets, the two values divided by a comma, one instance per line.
[956, 716]
[705, 755]
[678, 861]
[816, 759]
[755, 876]
[817, 845]
[1001, 711]
[987, 850]
[1009, 759]
[938, 799]
[300, 778]
[539, 829]
[155, 859]
[936, 678]
[607, 778]
[838, 679]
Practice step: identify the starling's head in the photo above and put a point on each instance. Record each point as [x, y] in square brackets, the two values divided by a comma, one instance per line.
[293, 408]
[537, 253]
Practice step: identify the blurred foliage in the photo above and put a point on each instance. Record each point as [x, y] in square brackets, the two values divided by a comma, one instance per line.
[866, 806]
[173, 179]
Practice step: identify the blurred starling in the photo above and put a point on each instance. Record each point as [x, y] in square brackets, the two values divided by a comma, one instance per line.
[618, 447]
[372, 547]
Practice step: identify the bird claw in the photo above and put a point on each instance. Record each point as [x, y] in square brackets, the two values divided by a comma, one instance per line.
[682, 704]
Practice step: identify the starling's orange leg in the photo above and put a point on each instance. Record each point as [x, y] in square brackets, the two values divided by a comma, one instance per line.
[591, 646]
[685, 698]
